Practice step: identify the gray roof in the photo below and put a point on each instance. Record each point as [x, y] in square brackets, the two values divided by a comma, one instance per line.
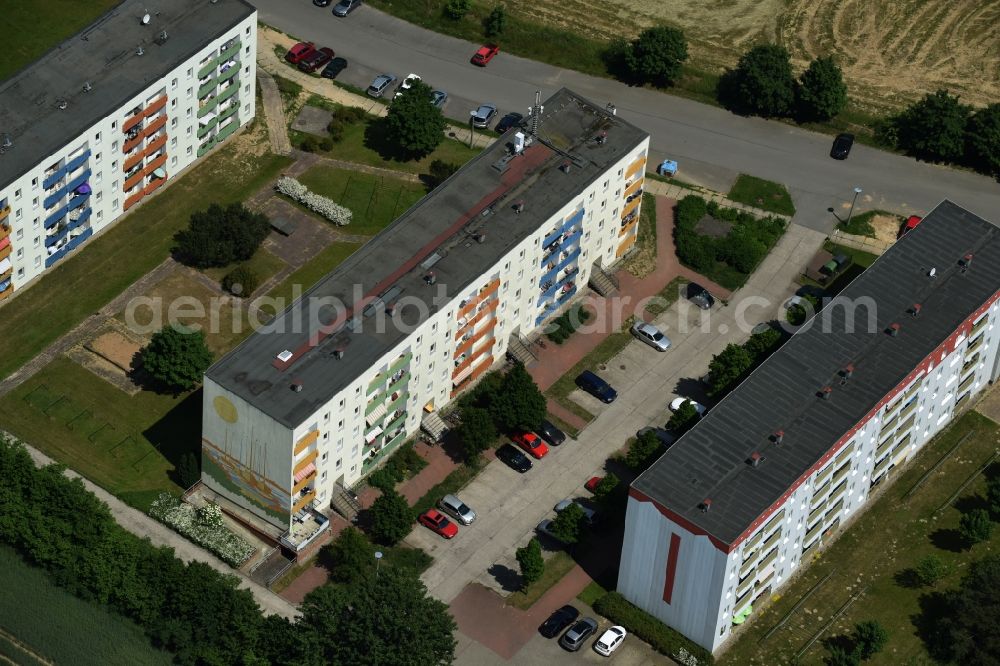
[477, 201]
[104, 55]
[710, 461]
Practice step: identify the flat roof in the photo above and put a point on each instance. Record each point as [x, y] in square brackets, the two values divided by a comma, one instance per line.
[104, 55]
[458, 231]
[710, 461]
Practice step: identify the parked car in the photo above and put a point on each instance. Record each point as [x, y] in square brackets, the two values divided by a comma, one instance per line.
[698, 295]
[651, 335]
[559, 620]
[911, 222]
[551, 434]
[545, 527]
[299, 52]
[450, 504]
[610, 640]
[380, 84]
[663, 435]
[842, 146]
[334, 67]
[513, 458]
[316, 60]
[406, 84]
[588, 513]
[345, 7]
[485, 53]
[532, 444]
[593, 482]
[438, 98]
[578, 634]
[508, 121]
[482, 116]
[596, 387]
[677, 403]
[437, 522]
[322, 3]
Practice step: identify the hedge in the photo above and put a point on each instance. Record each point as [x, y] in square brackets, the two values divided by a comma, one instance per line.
[661, 637]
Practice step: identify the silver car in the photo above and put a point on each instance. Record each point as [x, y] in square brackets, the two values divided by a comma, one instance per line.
[651, 335]
[578, 634]
[438, 98]
[483, 116]
[380, 84]
[453, 506]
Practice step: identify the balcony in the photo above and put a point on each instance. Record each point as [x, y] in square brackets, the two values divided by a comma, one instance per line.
[975, 344]
[978, 326]
[226, 113]
[633, 188]
[76, 162]
[229, 70]
[77, 240]
[154, 143]
[6, 288]
[303, 501]
[207, 87]
[53, 177]
[132, 121]
[207, 146]
[155, 124]
[132, 200]
[132, 181]
[229, 51]
[307, 525]
[207, 105]
[208, 67]
[58, 233]
[635, 167]
[224, 132]
[5, 248]
[4, 231]
[54, 198]
[55, 217]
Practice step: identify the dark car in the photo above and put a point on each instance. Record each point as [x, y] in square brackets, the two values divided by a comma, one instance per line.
[334, 67]
[551, 434]
[514, 458]
[596, 386]
[322, 3]
[508, 121]
[698, 295]
[559, 620]
[345, 7]
[316, 59]
[842, 146]
[578, 634]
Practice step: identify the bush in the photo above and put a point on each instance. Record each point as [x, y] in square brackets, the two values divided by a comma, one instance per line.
[929, 570]
[683, 419]
[606, 486]
[203, 526]
[241, 281]
[656, 56]
[402, 464]
[457, 9]
[494, 24]
[220, 236]
[661, 638]
[761, 84]
[530, 560]
[328, 208]
[975, 526]
[391, 518]
[689, 210]
[822, 93]
[308, 144]
[384, 479]
[326, 144]
[566, 324]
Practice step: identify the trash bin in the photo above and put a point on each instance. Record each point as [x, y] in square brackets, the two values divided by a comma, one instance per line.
[667, 168]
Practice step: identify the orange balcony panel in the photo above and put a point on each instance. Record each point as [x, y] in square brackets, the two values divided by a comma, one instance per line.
[132, 181]
[154, 125]
[463, 347]
[631, 189]
[625, 246]
[155, 164]
[4, 231]
[154, 185]
[132, 144]
[469, 307]
[461, 366]
[304, 482]
[628, 228]
[155, 105]
[6, 274]
[132, 161]
[5, 251]
[481, 368]
[131, 122]
[630, 207]
[301, 465]
[635, 167]
[4, 212]
[155, 145]
[302, 502]
[133, 200]
[304, 443]
[7, 292]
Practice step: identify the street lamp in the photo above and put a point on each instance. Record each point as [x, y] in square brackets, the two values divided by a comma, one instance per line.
[857, 191]
[472, 130]
[378, 561]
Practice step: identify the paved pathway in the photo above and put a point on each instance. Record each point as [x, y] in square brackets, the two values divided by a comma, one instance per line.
[274, 112]
[159, 534]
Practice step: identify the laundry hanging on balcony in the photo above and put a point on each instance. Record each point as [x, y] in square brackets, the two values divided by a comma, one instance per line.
[304, 472]
[83, 189]
[160, 172]
[5, 265]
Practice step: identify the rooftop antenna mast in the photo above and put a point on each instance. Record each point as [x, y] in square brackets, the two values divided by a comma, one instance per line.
[535, 113]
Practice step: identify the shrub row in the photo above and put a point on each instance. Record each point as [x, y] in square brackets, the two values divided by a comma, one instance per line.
[204, 527]
[328, 208]
[402, 464]
[566, 324]
[742, 249]
[661, 637]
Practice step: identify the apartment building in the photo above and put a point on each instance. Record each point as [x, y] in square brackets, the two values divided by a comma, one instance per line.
[729, 512]
[307, 406]
[107, 117]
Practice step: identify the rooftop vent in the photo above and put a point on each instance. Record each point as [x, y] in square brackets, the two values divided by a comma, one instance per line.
[566, 166]
[846, 373]
[338, 353]
[430, 277]
[519, 207]
[915, 309]
[932, 273]
[61, 104]
[145, 19]
[161, 38]
[5, 143]
[755, 459]
[778, 436]
[140, 51]
[705, 505]
[480, 237]
[893, 330]
[826, 393]
[965, 262]
[285, 356]
[87, 87]
[601, 138]
[297, 385]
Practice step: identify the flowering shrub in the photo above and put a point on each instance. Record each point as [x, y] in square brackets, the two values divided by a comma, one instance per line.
[203, 526]
[329, 209]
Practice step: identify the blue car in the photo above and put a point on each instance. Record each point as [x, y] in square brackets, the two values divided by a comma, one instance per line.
[596, 387]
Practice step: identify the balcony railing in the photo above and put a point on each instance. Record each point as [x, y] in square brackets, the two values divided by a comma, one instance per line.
[229, 52]
[209, 67]
[207, 87]
[224, 132]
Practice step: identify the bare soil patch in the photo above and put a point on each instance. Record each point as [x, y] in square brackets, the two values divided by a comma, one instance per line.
[886, 227]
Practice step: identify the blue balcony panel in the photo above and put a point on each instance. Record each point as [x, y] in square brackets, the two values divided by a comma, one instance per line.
[56, 237]
[73, 224]
[54, 178]
[55, 217]
[79, 180]
[567, 295]
[548, 294]
[78, 160]
[576, 218]
[75, 242]
[78, 201]
[56, 257]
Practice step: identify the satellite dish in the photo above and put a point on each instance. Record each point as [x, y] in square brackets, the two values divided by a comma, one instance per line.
[145, 19]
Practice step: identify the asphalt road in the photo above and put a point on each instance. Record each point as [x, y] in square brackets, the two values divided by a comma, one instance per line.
[711, 145]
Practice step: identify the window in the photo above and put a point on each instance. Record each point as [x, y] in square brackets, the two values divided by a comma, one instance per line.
[173, 121]
[341, 424]
[322, 477]
[323, 457]
[100, 214]
[34, 182]
[606, 184]
[35, 224]
[246, 88]
[173, 103]
[357, 410]
[114, 186]
[173, 84]
[354, 468]
[248, 30]
[173, 161]
[97, 157]
[114, 124]
[247, 50]
[326, 436]
[620, 171]
[97, 197]
[17, 194]
[34, 202]
[97, 179]
[173, 142]
[189, 131]
[20, 252]
[190, 72]
[38, 262]
[17, 214]
[326, 417]
[190, 93]
[114, 165]
[188, 113]
[114, 204]
[114, 145]
[20, 272]
[97, 137]
[188, 151]
[20, 234]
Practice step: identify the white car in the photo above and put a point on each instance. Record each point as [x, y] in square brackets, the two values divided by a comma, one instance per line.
[676, 403]
[651, 335]
[610, 640]
[406, 84]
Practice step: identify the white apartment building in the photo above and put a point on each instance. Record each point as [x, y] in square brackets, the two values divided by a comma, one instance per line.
[107, 117]
[307, 406]
[730, 511]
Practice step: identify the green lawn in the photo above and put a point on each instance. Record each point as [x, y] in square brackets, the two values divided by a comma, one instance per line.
[891, 537]
[860, 257]
[763, 194]
[263, 263]
[285, 292]
[104, 267]
[556, 567]
[860, 225]
[591, 593]
[129, 445]
[375, 200]
[62, 628]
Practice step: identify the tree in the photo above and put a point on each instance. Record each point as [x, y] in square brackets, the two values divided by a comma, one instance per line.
[476, 431]
[413, 124]
[644, 451]
[457, 9]
[391, 518]
[841, 656]
[993, 495]
[760, 345]
[568, 524]
[349, 557]
[959, 626]
[975, 526]
[822, 92]
[518, 404]
[870, 638]
[495, 22]
[657, 55]
[934, 127]
[219, 236]
[176, 358]
[762, 83]
[929, 570]
[982, 140]
[726, 367]
[532, 564]
[388, 619]
[683, 419]
[606, 486]
[241, 281]
[439, 172]
[188, 469]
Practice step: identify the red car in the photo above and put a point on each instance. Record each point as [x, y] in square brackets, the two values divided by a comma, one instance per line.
[485, 54]
[532, 444]
[300, 52]
[593, 482]
[438, 522]
[316, 59]
[911, 222]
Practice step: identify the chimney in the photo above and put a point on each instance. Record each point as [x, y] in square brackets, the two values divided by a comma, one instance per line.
[846, 373]
[297, 385]
[565, 166]
[390, 308]
[826, 392]
[965, 262]
[778, 436]
[430, 277]
[932, 273]
[755, 459]
[705, 505]
[893, 330]
[915, 309]
[338, 353]
[518, 207]
[480, 237]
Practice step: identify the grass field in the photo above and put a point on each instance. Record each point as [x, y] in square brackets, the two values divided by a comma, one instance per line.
[263, 263]
[891, 537]
[556, 566]
[375, 200]
[763, 194]
[62, 628]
